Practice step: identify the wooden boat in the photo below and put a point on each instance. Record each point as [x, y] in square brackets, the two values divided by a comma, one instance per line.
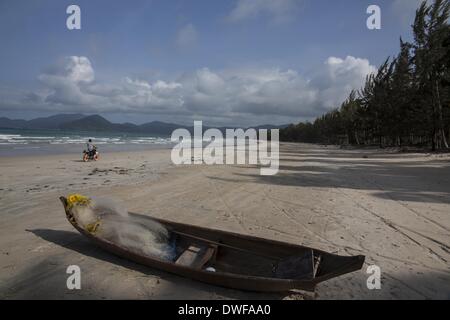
[236, 261]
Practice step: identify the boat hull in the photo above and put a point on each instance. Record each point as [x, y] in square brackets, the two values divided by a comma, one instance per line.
[332, 265]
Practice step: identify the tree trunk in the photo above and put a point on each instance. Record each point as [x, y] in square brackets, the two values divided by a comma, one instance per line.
[433, 140]
[356, 138]
[441, 121]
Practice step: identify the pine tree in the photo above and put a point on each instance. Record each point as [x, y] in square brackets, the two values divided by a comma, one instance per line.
[407, 101]
[430, 29]
[401, 96]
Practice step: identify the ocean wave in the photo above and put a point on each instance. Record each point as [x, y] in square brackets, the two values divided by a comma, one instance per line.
[9, 136]
[27, 139]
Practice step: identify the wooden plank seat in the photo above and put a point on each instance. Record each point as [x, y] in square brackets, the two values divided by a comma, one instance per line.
[197, 256]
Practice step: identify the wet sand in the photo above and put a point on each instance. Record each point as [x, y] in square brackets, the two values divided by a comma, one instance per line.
[393, 208]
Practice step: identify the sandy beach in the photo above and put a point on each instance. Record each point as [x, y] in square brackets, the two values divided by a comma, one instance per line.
[391, 207]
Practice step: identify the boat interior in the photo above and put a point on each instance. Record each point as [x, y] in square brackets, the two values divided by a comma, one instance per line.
[205, 254]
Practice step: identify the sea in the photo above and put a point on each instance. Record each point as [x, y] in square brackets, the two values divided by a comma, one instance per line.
[25, 142]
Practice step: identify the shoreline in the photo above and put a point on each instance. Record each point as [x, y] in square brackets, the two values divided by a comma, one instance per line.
[11, 151]
[48, 149]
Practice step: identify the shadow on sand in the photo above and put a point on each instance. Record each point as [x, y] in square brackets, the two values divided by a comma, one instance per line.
[391, 176]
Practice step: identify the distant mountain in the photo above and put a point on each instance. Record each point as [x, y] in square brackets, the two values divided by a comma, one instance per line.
[89, 123]
[158, 127]
[12, 124]
[53, 122]
[96, 123]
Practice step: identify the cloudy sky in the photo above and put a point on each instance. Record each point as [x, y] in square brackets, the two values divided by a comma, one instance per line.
[226, 62]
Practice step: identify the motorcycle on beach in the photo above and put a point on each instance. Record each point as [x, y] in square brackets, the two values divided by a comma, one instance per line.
[90, 155]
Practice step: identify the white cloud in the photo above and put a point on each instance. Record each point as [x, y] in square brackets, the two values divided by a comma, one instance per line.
[338, 77]
[259, 95]
[73, 68]
[143, 97]
[186, 36]
[67, 79]
[278, 11]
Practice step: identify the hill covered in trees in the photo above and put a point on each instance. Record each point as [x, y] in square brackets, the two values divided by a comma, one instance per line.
[406, 102]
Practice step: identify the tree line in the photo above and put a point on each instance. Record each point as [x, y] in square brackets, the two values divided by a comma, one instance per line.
[405, 103]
